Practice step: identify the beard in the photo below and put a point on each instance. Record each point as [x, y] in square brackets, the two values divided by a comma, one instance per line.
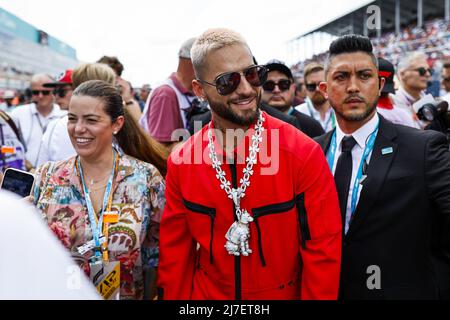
[243, 118]
[360, 116]
[318, 99]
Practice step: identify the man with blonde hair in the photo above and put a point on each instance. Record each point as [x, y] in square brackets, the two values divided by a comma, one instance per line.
[239, 224]
[316, 104]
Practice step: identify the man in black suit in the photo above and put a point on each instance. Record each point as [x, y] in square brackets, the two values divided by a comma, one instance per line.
[279, 92]
[393, 184]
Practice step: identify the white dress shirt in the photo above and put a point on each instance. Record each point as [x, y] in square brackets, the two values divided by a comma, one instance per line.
[307, 108]
[56, 144]
[362, 137]
[33, 125]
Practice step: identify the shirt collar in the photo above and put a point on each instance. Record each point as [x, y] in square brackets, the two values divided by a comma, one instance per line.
[179, 86]
[409, 97]
[316, 113]
[290, 111]
[56, 111]
[361, 134]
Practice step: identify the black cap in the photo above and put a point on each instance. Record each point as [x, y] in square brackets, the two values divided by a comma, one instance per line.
[387, 71]
[278, 65]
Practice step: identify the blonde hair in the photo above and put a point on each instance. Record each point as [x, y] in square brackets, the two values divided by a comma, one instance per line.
[211, 40]
[93, 71]
[311, 68]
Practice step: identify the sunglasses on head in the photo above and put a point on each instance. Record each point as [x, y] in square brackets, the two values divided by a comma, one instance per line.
[61, 92]
[44, 92]
[422, 71]
[283, 85]
[227, 83]
[311, 87]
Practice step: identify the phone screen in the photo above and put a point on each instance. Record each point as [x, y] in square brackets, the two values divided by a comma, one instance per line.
[18, 182]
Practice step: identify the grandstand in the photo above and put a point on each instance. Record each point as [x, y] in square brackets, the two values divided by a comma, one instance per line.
[405, 25]
[25, 50]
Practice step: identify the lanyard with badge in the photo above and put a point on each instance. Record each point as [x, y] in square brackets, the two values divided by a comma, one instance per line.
[104, 274]
[362, 168]
[331, 119]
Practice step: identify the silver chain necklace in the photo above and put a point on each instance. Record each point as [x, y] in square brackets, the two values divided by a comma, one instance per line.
[238, 233]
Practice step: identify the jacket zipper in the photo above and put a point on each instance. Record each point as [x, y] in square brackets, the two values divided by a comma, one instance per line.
[237, 259]
[303, 219]
[211, 212]
[266, 210]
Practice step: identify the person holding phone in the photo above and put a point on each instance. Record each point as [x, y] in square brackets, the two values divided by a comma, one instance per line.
[105, 204]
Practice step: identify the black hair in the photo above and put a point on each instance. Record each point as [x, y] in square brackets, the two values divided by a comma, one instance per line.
[348, 44]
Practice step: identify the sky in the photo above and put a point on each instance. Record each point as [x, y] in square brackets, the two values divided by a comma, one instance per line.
[146, 35]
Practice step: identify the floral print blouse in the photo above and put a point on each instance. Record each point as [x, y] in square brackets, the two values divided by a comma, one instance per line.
[138, 197]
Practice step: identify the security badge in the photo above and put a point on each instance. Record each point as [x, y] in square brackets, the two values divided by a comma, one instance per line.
[106, 278]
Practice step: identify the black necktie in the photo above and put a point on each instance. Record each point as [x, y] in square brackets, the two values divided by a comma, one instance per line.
[343, 174]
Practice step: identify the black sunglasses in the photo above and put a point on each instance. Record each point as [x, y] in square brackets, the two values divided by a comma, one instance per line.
[311, 87]
[44, 92]
[422, 71]
[61, 92]
[283, 85]
[226, 83]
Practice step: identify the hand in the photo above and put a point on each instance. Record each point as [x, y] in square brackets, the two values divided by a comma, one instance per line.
[29, 199]
[125, 89]
[28, 165]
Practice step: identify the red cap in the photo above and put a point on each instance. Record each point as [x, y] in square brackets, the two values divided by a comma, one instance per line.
[63, 79]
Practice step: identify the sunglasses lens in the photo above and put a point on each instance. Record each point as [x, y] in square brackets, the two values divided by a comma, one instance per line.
[227, 83]
[284, 85]
[256, 75]
[422, 71]
[311, 87]
[269, 86]
[37, 92]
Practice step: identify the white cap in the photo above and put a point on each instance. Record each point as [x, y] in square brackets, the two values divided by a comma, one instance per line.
[8, 94]
[185, 50]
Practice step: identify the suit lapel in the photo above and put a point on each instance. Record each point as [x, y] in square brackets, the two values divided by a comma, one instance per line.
[379, 165]
[325, 140]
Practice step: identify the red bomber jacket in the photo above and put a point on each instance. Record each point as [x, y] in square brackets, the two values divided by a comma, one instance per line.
[295, 236]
